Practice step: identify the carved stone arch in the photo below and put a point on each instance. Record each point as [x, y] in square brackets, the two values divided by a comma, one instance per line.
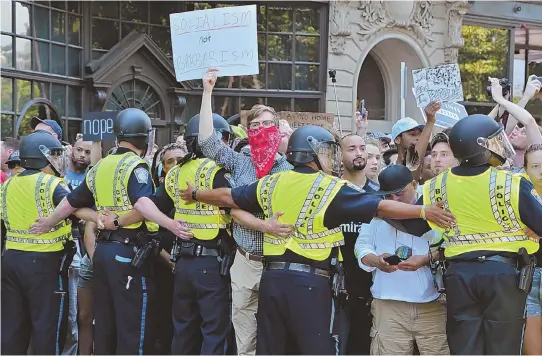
[386, 61]
[137, 59]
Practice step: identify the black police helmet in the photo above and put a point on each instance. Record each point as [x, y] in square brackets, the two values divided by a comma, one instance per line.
[14, 157]
[464, 139]
[133, 126]
[191, 131]
[299, 149]
[219, 124]
[30, 153]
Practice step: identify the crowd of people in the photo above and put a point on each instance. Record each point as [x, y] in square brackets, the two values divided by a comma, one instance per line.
[263, 239]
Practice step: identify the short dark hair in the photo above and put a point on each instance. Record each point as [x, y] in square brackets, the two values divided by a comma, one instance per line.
[11, 143]
[531, 149]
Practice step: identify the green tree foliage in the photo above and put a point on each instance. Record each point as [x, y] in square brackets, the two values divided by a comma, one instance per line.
[484, 55]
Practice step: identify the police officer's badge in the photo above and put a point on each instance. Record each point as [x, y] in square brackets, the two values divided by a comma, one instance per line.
[142, 175]
[536, 196]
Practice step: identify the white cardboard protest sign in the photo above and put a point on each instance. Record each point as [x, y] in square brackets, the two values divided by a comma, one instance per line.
[224, 38]
[442, 83]
[448, 115]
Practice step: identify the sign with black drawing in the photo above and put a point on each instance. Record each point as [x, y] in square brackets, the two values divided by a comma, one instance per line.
[442, 84]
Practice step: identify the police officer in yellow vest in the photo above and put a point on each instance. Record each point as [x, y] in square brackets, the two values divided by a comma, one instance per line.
[34, 267]
[201, 302]
[295, 302]
[122, 283]
[492, 207]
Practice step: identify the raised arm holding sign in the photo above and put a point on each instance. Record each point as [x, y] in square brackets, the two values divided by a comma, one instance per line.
[223, 38]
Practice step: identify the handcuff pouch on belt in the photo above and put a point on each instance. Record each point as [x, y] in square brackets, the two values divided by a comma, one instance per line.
[151, 248]
[70, 249]
[187, 249]
[337, 278]
[527, 265]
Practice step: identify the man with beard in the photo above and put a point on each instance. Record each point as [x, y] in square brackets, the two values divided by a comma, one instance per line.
[80, 160]
[356, 321]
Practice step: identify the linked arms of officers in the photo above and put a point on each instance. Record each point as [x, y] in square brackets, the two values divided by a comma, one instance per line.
[63, 211]
[150, 211]
[386, 208]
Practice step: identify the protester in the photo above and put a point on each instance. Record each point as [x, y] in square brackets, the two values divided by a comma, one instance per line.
[374, 163]
[405, 307]
[532, 344]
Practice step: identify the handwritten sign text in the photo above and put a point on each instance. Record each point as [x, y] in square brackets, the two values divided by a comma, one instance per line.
[224, 38]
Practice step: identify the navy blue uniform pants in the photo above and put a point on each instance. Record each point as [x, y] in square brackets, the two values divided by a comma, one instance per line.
[201, 307]
[485, 309]
[34, 303]
[163, 278]
[294, 314]
[123, 301]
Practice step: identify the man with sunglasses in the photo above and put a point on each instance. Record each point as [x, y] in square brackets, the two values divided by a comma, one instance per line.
[405, 307]
[484, 251]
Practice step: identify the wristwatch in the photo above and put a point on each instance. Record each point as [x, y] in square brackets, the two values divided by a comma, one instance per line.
[194, 194]
[116, 222]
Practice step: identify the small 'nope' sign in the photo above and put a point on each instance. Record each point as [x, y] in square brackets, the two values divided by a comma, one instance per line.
[98, 126]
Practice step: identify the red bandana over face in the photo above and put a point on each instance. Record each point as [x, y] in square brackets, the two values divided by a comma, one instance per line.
[264, 143]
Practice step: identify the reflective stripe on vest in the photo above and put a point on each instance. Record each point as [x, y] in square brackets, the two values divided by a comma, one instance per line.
[303, 198]
[19, 213]
[111, 193]
[205, 220]
[486, 208]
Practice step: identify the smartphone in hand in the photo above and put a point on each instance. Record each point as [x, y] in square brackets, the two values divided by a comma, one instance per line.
[393, 260]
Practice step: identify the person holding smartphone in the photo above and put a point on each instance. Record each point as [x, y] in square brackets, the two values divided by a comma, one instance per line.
[405, 307]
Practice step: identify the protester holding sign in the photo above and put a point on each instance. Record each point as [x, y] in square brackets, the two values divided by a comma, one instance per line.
[245, 169]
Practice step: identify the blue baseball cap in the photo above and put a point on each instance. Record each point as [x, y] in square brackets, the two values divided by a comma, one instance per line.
[404, 125]
[380, 136]
[51, 123]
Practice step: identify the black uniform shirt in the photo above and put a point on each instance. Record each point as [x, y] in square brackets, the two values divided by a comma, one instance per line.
[140, 184]
[358, 282]
[530, 207]
[350, 204]
[166, 204]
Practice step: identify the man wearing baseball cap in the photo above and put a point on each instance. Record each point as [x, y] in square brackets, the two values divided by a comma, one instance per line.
[50, 126]
[412, 139]
[384, 139]
[403, 283]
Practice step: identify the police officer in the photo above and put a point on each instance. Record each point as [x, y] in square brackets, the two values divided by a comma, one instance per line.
[492, 207]
[34, 267]
[122, 287]
[14, 164]
[201, 302]
[295, 305]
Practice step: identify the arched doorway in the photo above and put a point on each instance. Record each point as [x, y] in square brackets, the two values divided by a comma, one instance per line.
[40, 107]
[379, 79]
[371, 89]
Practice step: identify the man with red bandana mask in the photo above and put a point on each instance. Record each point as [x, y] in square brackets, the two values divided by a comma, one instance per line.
[246, 167]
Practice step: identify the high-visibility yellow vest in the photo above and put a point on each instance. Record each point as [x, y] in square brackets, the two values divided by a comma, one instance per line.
[303, 198]
[486, 211]
[24, 199]
[239, 132]
[108, 182]
[204, 220]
